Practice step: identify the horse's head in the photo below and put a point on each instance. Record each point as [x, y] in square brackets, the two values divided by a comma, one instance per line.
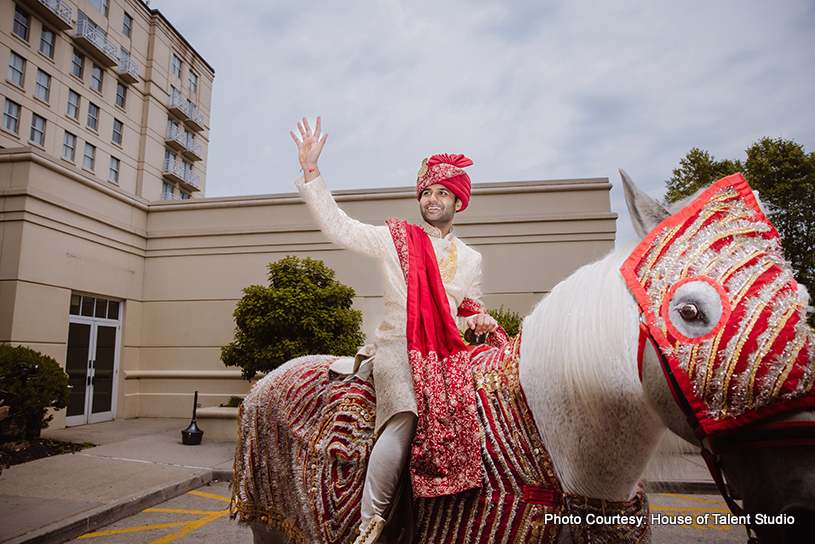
[734, 364]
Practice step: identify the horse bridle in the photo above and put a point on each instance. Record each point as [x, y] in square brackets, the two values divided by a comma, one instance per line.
[761, 435]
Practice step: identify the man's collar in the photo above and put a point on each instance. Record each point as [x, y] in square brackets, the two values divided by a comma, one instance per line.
[435, 232]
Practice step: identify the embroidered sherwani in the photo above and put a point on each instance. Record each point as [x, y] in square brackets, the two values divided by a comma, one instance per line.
[393, 379]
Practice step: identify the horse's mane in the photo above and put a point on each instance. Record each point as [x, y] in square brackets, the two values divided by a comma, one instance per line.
[585, 324]
[579, 372]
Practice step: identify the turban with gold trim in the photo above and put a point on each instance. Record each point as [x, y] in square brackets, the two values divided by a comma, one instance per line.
[446, 170]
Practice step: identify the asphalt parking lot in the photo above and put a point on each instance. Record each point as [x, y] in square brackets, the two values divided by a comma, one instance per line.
[202, 515]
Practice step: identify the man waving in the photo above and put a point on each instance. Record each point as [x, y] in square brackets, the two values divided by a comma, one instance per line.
[431, 287]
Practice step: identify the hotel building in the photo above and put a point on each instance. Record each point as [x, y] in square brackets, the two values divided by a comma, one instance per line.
[114, 263]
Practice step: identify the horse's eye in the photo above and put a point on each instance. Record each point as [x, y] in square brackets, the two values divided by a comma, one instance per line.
[690, 312]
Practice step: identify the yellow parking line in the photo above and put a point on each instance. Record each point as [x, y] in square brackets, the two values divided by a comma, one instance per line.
[133, 529]
[210, 495]
[692, 498]
[190, 527]
[686, 509]
[186, 527]
[176, 511]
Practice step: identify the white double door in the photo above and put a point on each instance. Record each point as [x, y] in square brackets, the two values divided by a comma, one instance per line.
[92, 365]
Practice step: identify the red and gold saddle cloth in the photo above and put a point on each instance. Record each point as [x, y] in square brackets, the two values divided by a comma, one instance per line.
[304, 439]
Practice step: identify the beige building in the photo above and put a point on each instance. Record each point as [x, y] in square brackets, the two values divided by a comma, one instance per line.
[113, 262]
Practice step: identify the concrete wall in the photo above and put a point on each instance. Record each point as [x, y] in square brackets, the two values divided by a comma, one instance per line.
[179, 267]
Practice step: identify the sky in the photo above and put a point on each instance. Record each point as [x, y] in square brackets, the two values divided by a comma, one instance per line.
[528, 89]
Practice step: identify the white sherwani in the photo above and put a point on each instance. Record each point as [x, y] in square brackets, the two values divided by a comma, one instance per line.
[393, 377]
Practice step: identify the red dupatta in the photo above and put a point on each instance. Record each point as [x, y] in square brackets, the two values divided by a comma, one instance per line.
[445, 455]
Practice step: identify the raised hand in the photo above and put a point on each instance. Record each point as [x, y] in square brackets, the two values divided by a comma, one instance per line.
[309, 146]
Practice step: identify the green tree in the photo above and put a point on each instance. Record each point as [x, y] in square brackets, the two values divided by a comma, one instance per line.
[510, 321]
[696, 171]
[32, 396]
[303, 311]
[784, 175]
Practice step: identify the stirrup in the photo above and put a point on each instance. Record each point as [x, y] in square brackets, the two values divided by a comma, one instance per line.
[371, 532]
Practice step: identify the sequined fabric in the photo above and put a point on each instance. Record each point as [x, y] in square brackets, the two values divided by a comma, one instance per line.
[759, 360]
[305, 435]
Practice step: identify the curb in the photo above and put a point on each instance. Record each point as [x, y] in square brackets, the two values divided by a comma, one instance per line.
[95, 518]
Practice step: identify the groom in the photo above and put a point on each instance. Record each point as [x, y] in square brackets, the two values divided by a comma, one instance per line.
[425, 399]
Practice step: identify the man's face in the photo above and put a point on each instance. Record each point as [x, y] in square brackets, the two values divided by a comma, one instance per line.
[438, 205]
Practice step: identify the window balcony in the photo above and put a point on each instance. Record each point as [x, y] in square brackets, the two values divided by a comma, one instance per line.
[96, 43]
[176, 138]
[173, 170]
[56, 13]
[191, 182]
[192, 150]
[177, 105]
[128, 70]
[169, 196]
[195, 119]
[183, 108]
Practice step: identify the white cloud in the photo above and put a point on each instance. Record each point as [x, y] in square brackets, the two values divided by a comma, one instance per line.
[528, 90]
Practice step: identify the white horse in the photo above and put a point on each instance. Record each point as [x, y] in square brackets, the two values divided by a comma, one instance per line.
[600, 421]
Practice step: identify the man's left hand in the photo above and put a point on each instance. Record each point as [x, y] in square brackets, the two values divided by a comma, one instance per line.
[482, 323]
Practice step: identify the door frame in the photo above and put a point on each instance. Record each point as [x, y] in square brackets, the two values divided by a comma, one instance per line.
[88, 416]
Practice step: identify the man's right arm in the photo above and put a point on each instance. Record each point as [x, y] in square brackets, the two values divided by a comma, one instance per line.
[335, 224]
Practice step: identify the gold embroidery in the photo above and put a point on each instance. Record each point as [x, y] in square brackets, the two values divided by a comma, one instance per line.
[448, 266]
[423, 169]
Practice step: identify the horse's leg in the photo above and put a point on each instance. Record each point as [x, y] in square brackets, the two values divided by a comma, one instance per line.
[564, 536]
[264, 535]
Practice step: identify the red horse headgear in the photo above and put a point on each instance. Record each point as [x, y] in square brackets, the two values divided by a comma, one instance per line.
[758, 357]
[446, 170]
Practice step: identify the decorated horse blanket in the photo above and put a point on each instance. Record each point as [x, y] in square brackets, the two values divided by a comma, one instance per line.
[305, 435]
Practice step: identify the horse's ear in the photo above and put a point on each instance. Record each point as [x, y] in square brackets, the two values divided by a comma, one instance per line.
[645, 212]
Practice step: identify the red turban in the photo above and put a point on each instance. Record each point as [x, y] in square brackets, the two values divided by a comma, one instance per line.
[446, 170]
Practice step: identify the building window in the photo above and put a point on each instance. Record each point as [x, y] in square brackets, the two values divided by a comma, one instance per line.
[43, 86]
[118, 128]
[16, 67]
[184, 196]
[114, 170]
[193, 81]
[172, 128]
[68, 146]
[167, 192]
[93, 116]
[121, 94]
[73, 103]
[22, 22]
[94, 307]
[11, 116]
[90, 156]
[127, 25]
[78, 64]
[37, 129]
[47, 43]
[96, 78]
[101, 5]
[176, 67]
